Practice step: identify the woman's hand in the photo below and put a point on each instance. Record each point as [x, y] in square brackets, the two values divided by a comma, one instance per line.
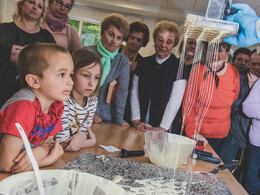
[201, 138]
[97, 119]
[16, 49]
[75, 141]
[136, 123]
[125, 124]
[141, 126]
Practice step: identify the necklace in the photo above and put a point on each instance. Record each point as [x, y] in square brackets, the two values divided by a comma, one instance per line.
[76, 124]
[131, 58]
[214, 73]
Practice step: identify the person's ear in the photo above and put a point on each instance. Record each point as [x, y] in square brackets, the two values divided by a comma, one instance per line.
[20, 4]
[32, 81]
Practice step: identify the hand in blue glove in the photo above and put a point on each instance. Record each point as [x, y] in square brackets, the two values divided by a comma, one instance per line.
[248, 24]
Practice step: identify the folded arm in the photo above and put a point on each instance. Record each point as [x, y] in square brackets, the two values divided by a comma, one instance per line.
[10, 147]
[80, 140]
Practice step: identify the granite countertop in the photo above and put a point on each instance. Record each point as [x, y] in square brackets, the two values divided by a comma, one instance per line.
[109, 167]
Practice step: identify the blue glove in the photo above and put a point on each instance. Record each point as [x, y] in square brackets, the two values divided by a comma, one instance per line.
[247, 20]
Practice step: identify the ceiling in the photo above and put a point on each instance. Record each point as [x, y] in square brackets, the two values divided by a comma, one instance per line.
[175, 10]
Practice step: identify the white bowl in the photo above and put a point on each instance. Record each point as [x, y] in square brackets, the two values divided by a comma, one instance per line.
[166, 149]
[59, 182]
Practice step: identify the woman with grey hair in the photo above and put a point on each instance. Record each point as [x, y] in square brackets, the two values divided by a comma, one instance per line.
[153, 82]
[14, 36]
[56, 22]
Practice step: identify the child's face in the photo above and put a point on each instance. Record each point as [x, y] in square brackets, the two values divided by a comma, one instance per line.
[86, 80]
[57, 83]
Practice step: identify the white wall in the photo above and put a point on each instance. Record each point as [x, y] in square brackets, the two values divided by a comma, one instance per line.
[2, 9]
[94, 14]
[7, 10]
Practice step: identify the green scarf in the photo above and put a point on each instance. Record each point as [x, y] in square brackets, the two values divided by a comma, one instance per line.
[105, 60]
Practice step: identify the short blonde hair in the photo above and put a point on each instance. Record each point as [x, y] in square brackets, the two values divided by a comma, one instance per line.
[118, 21]
[18, 11]
[169, 26]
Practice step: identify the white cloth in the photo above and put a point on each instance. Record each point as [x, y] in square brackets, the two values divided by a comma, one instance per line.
[161, 60]
[174, 103]
[134, 99]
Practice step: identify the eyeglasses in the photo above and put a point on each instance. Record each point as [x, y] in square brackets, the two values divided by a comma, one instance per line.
[60, 3]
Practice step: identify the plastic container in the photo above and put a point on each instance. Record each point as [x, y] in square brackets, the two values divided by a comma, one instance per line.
[166, 149]
[59, 182]
[216, 8]
[207, 29]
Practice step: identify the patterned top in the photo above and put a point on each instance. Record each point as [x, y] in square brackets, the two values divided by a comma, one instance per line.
[25, 108]
[68, 117]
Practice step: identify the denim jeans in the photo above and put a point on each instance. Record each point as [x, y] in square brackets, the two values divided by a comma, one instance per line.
[216, 144]
[228, 152]
[251, 180]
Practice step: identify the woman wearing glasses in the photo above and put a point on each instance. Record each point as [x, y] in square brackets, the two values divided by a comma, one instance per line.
[55, 22]
[14, 36]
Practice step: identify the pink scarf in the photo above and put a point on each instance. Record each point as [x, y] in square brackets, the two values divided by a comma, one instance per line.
[55, 24]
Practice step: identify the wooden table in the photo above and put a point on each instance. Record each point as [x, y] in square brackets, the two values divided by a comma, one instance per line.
[129, 138]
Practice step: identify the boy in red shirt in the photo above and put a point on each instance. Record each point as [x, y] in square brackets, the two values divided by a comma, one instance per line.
[45, 73]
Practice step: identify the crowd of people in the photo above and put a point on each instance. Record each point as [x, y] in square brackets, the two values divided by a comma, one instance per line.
[56, 89]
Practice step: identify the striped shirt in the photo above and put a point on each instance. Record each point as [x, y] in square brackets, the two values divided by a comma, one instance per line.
[68, 116]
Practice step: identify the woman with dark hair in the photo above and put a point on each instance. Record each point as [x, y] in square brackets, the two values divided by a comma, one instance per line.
[14, 36]
[207, 101]
[241, 59]
[56, 23]
[114, 29]
[138, 37]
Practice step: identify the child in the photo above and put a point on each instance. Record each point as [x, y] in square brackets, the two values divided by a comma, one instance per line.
[45, 71]
[80, 108]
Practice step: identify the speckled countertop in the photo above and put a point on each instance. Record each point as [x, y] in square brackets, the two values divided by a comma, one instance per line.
[197, 183]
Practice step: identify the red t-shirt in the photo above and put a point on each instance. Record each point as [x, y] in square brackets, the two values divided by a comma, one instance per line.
[37, 125]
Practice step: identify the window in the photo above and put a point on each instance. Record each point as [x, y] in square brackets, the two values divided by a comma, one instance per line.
[74, 23]
[89, 32]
